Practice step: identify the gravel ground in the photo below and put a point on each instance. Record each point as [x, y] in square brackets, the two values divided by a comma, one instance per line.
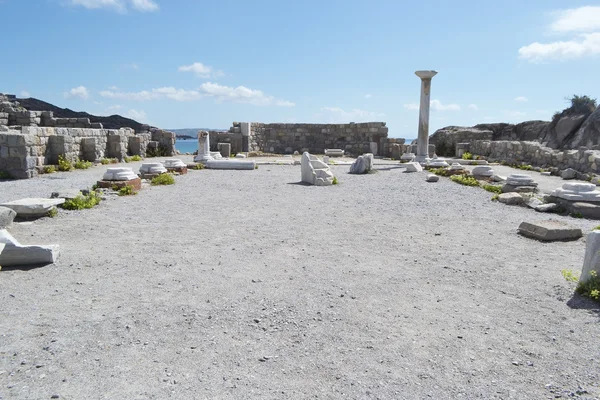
[245, 284]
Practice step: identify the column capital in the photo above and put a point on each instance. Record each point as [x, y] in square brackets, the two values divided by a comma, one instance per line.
[426, 74]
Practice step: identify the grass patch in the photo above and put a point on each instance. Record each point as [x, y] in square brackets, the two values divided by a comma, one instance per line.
[467, 156]
[82, 202]
[591, 288]
[495, 197]
[465, 180]
[64, 164]
[49, 169]
[335, 181]
[127, 190]
[133, 159]
[493, 188]
[106, 161]
[52, 213]
[198, 166]
[577, 215]
[80, 164]
[163, 179]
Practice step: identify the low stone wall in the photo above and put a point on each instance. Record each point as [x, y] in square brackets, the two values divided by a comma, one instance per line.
[536, 154]
[445, 140]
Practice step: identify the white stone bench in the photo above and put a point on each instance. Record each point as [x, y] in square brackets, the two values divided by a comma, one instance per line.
[334, 152]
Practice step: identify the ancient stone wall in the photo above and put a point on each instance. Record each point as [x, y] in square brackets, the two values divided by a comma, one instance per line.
[534, 153]
[354, 138]
[445, 140]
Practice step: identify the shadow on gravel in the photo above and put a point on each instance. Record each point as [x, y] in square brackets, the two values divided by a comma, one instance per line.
[299, 183]
[24, 268]
[578, 302]
[389, 168]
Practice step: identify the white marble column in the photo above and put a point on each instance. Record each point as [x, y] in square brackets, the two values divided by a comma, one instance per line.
[203, 147]
[423, 138]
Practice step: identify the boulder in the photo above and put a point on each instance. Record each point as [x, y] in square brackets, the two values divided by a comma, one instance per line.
[547, 207]
[32, 207]
[511, 199]
[432, 178]
[586, 210]
[240, 155]
[587, 135]
[7, 216]
[413, 167]
[549, 231]
[591, 261]
[18, 255]
[314, 171]
[484, 170]
[568, 173]
[362, 165]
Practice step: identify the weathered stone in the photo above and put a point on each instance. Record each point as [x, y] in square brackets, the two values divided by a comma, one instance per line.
[7, 216]
[230, 164]
[224, 149]
[413, 167]
[32, 207]
[432, 178]
[506, 188]
[520, 180]
[18, 255]
[136, 184]
[362, 165]
[585, 210]
[511, 199]
[568, 173]
[549, 231]
[497, 178]
[119, 174]
[578, 192]
[437, 163]
[240, 155]
[423, 138]
[334, 152]
[314, 171]
[408, 157]
[484, 170]
[549, 207]
[152, 168]
[591, 261]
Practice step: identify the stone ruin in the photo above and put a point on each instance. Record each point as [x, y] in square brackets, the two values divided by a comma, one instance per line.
[31, 139]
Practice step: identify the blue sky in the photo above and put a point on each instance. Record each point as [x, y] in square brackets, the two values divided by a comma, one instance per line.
[184, 63]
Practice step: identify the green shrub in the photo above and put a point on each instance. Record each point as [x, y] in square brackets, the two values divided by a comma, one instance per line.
[163, 179]
[198, 166]
[591, 288]
[64, 164]
[465, 180]
[127, 190]
[49, 169]
[493, 188]
[525, 167]
[255, 166]
[82, 202]
[335, 180]
[440, 171]
[133, 159]
[52, 213]
[495, 197]
[467, 156]
[160, 151]
[106, 161]
[577, 215]
[81, 164]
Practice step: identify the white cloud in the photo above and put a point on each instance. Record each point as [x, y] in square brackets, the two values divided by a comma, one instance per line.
[240, 94]
[587, 44]
[138, 115]
[25, 94]
[132, 66]
[521, 99]
[473, 107]
[368, 96]
[201, 70]
[113, 88]
[337, 114]
[435, 105]
[583, 22]
[117, 5]
[583, 19]
[80, 92]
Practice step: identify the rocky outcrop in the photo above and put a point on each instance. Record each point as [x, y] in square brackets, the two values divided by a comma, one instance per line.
[588, 134]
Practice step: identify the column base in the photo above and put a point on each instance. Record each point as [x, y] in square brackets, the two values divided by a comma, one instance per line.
[422, 159]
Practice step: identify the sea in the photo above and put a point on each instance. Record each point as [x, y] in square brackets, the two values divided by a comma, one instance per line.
[186, 145]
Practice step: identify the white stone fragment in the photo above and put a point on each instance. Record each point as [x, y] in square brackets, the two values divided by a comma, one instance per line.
[483, 170]
[18, 255]
[230, 164]
[240, 155]
[32, 207]
[152, 168]
[413, 167]
[362, 165]
[591, 261]
[456, 167]
[437, 163]
[334, 152]
[315, 171]
[578, 192]
[119, 174]
[174, 163]
[432, 178]
[520, 180]
[408, 157]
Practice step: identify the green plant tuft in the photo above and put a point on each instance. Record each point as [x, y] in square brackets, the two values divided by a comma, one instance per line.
[49, 169]
[569, 275]
[198, 166]
[64, 164]
[106, 161]
[335, 180]
[589, 288]
[127, 190]
[80, 164]
[133, 158]
[163, 179]
[577, 215]
[495, 197]
[467, 156]
[255, 166]
[465, 180]
[493, 188]
[82, 202]
[52, 213]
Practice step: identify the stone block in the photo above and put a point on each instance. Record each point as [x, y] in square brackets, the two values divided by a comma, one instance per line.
[549, 231]
[591, 261]
[413, 167]
[511, 199]
[586, 210]
[32, 207]
[18, 255]
[432, 178]
[7, 216]
[135, 183]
